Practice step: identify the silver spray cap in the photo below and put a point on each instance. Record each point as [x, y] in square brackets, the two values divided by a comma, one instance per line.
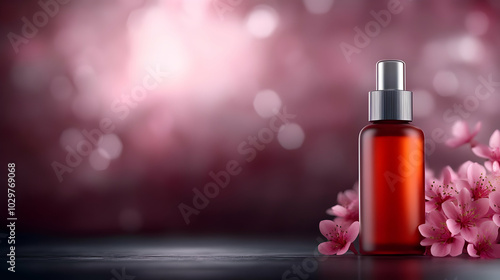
[391, 100]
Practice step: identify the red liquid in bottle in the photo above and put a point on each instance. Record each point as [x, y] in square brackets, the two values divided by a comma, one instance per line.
[391, 180]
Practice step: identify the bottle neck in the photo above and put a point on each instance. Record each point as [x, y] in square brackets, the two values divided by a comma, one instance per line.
[390, 105]
[390, 122]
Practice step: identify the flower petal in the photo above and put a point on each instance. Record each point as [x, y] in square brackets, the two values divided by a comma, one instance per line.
[477, 128]
[327, 248]
[474, 172]
[482, 206]
[429, 192]
[341, 221]
[450, 210]
[462, 170]
[440, 249]
[427, 241]
[352, 232]
[472, 251]
[447, 175]
[489, 230]
[495, 139]
[464, 197]
[481, 151]
[329, 211]
[340, 211]
[461, 184]
[457, 246]
[344, 249]
[469, 234]
[487, 254]
[489, 165]
[430, 206]
[436, 218]
[351, 195]
[455, 142]
[495, 251]
[495, 167]
[495, 201]
[342, 199]
[453, 226]
[496, 219]
[426, 230]
[327, 228]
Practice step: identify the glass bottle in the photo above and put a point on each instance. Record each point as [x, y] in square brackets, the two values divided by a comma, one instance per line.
[391, 168]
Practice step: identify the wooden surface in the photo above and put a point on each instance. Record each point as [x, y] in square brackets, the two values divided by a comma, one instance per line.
[225, 258]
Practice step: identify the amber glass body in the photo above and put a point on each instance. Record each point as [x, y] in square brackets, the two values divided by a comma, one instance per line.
[391, 188]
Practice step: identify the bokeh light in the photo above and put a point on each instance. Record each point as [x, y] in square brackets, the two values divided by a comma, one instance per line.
[98, 161]
[267, 103]
[110, 146]
[318, 6]
[291, 136]
[262, 21]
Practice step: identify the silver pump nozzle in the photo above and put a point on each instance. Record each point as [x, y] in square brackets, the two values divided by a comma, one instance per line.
[391, 100]
[391, 75]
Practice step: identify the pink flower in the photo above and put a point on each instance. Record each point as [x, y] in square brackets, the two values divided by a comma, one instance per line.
[437, 192]
[493, 167]
[339, 240]
[348, 209]
[439, 237]
[464, 216]
[493, 151]
[462, 170]
[495, 205]
[479, 184]
[462, 135]
[484, 243]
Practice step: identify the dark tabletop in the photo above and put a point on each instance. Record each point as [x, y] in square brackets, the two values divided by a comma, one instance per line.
[128, 258]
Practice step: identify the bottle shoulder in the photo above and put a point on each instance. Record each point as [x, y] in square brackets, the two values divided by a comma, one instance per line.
[391, 129]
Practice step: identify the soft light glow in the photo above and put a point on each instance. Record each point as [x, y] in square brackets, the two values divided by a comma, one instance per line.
[291, 136]
[154, 41]
[445, 83]
[262, 21]
[318, 6]
[110, 146]
[477, 23]
[267, 103]
[98, 161]
[470, 49]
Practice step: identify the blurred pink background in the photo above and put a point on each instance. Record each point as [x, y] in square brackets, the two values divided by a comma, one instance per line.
[226, 67]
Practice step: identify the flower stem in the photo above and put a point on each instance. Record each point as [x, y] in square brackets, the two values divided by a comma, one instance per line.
[352, 248]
